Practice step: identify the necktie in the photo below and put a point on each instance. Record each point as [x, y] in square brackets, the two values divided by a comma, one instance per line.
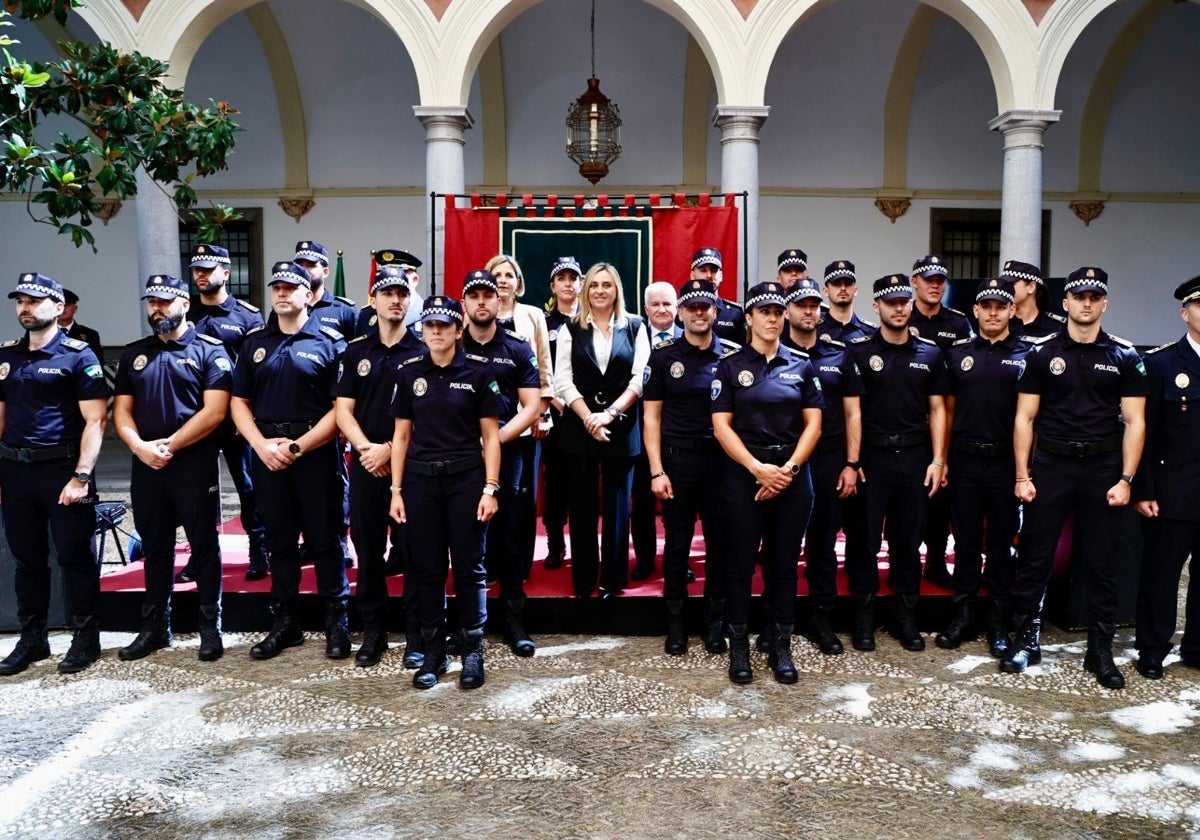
[663, 336]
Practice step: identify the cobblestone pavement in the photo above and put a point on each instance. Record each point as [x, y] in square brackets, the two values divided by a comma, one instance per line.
[597, 737]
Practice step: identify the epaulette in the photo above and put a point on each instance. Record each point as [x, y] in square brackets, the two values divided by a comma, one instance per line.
[74, 343]
[346, 301]
[414, 359]
[12, 343]
[867, 323]
[514, 334]
[255, 330]
[962, 341]
[1118, 340]
[209, 339]
[727, 345]
[1038, 339]
[731, 304]
[360, 338]
[666, 342]
[1059, 318]
[1147, 353]
[245, 304]
[332, 333]
[860, 339]
[730, 353]
[925, 340]
[828, 340]
[956, 312]
[475, 358]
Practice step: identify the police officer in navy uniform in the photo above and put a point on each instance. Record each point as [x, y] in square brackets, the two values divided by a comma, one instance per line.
[766, 414]
[840, 322]
[792, 266]
[983, 405]
[1083, 395]
[730, 324]
[74, 329]
[365, 386]
[903, 457]
[217, 313]
[1030, 322]
[283, 406]
[1166, 489]
[686, 462]
[53, 404]
[514, 369]
[834, 462]
[445, 404]
[172, 392]
[406, 262]
[943, 326]
[564, 286]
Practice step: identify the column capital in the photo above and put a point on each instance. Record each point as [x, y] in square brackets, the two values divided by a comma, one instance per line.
[1023, 127]
[740, 122]
[444, 122]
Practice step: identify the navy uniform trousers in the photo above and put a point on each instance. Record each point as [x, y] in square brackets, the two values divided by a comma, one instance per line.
[982, 492]
[820, 542]
[696, 478]
[895, 493]
[30, 506]
[371, 527]
[1168, 544]
[238, 458]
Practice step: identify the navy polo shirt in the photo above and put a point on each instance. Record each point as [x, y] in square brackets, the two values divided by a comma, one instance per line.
[513, 365]
[1081, 386]
[766, 397]
[445, 405]
[367, 374]
[899, 380]
[288, 378]
[1044, 324]
[338, 313]
[730, 323]
[228, 322]
[839, 378]
[829, 327]
[680, 375]
[167, 379]
[983, 379]
[41, 390]
[944, 328]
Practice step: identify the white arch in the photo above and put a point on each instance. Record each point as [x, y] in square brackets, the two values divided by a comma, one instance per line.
[111, 22]
[1060, 29]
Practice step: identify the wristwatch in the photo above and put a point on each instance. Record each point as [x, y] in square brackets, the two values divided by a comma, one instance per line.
[794, 468]
[1128, 479]
[490, 489]
[853, 464]
[82, 477]
[295, 450]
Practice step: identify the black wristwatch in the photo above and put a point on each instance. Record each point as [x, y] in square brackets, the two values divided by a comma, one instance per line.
[853, 464]
[82, 477]
[1128, 479]
[295, 450]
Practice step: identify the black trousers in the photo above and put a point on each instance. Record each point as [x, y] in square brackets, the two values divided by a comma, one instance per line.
[442, 511]
[895, 494]
[936, 533]
[238, 458]
[508, 558]
[610, 564]
[1168, 544]
[371, 528]
[184, 492]
[304, 498]
[1064, 483]
[982, 507]
[29, 502]
[554, 505]
[820, 542]
[526, 533]
[777, 524]
[696, 478]
[642, 526]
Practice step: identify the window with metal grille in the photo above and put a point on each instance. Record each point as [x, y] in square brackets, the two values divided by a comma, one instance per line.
[969, 241]
[243, 239]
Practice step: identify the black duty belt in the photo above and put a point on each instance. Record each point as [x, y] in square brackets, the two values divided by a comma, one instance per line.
[437, 468]
[33, 456]
[988, 450]
[833, 443]
[1080, 449]
[701, 443]
[771, 454]
[897, 441]
[291, 429]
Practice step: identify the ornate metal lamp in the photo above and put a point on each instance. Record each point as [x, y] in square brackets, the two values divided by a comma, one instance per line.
[593, 125]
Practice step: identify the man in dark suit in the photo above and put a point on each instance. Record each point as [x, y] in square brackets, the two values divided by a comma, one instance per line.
[1165, 492]
[74, 329]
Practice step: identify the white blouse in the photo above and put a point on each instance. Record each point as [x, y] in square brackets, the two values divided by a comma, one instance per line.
[564, 375]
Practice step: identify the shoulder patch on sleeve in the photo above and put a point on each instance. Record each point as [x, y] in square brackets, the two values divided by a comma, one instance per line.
[346, 301]
[1148, 352]
[74, 343]
[209, 339]
[245, 304]
[332, 333]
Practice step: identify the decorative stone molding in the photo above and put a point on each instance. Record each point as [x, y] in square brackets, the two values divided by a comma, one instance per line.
[1087, 211]
[107, 208]
[893, 208]
[297, 207]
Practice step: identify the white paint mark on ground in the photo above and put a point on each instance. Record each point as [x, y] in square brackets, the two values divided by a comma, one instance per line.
[602, 643]
[857, 697]
[1093, 752]
[969, 663]
[990, 755]
[1160, 718]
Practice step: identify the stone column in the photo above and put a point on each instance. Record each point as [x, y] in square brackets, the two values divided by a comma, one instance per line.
[444, 127]
[1021, 204]
[157, 233]
[739, 126]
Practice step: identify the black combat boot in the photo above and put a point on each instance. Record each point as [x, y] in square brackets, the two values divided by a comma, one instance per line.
[1099, 657]
[209, 624]
[337, 630]
[906, 631]
[556, 549]
[739, 655]
[471, 675]
[414, 644]
[514, 628]
[155, 633]
[85, 645]
[1026, 648]
[820, 632]
[864, 623]
[374, 642]
[33, 646]
[285, 633]
[714, 625]
[435, 663]
[999, 628]
[780, 659]
[676, 642]
[961, 627]
[260, 558]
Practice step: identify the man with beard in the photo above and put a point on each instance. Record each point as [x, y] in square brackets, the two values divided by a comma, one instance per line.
[366, 383]
[515, 372]
[368, 318]
[840, 323]
[1083, 395]
[53, 404]
[217, 313]
[172, 392]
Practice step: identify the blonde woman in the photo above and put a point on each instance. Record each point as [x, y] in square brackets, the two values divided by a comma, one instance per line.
[601, 356]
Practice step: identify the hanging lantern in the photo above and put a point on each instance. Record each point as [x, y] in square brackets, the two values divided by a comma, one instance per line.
[593, 125]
